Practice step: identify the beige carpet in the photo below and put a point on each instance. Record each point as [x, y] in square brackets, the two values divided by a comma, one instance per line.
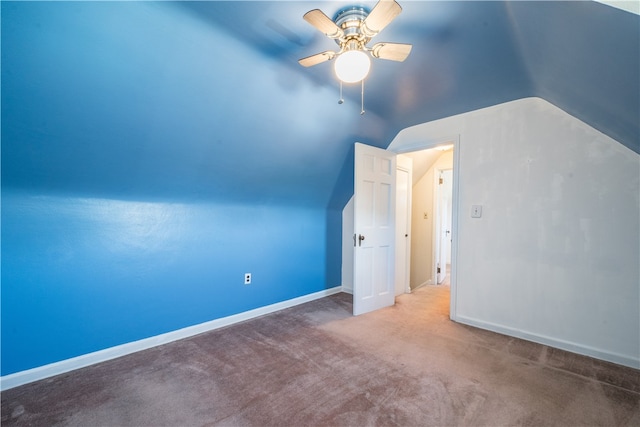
[316, 365]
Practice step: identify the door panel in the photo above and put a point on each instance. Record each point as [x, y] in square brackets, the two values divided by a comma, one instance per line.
[443, 224]
[374, 225]
[443, 236]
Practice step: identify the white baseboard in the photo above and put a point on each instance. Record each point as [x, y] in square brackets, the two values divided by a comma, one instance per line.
[572, 347]
[427, 283]
[57, 368]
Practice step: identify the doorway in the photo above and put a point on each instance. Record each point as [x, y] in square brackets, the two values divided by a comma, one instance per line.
[433, 215]
[348, 231]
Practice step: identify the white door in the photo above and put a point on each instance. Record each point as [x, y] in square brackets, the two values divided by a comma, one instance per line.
[444, 237]
[448, 181]
[374, 227]
[443, 225]
[404, 166]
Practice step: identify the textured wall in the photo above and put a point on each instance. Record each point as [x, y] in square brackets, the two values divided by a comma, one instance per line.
[554, 257]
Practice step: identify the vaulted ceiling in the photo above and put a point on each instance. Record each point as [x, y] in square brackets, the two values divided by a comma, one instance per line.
[206, 100]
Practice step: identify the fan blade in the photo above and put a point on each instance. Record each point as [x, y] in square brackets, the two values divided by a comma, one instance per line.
[317, 58]
[381, 15]
[323, 23]
[391, 51]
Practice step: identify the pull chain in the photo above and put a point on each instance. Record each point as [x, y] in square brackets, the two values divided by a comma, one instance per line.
[362, 99]
[341, 100]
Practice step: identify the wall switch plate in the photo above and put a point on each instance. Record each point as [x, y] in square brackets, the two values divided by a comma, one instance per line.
[476, 211]
[247, 278]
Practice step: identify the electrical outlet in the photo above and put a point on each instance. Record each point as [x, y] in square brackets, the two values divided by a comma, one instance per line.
[247, 278]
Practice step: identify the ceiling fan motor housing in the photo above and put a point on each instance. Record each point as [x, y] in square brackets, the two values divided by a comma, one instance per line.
[350, 20]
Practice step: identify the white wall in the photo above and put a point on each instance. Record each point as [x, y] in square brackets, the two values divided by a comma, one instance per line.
[422, 231]
[555, 256]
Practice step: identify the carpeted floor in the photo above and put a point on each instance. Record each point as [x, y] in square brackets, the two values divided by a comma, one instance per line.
[316, 365]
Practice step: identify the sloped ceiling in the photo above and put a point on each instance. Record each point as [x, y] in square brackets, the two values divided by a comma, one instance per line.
[206, 100]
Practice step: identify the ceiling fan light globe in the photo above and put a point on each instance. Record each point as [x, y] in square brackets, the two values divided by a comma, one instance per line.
[352, 66]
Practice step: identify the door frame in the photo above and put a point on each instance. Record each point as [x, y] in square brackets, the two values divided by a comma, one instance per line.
[404, 164]
[433, 143]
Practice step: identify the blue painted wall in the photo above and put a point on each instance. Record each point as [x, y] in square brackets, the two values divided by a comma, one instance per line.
[154, 152]
[136, 99]
[84, 274]
[144, 172]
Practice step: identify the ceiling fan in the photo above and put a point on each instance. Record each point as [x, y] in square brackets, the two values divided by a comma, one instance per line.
[352, 28]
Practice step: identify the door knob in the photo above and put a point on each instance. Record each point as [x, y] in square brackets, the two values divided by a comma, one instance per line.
[360, 239]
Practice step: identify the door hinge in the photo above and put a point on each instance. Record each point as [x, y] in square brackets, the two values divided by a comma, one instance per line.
[438, 270]
[440, 181]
